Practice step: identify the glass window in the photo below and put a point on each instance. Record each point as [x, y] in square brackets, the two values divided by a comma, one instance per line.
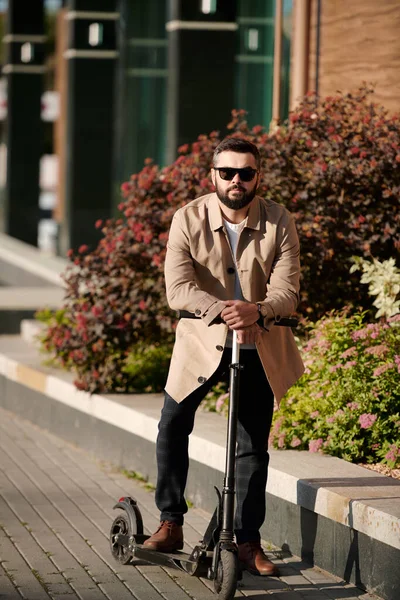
[141, 87]
[286, 49]
[255, 59]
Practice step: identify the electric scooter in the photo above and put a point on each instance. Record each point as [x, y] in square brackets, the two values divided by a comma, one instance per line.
[215, 556]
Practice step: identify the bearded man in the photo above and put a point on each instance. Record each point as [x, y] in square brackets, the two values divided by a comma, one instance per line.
[232, 260]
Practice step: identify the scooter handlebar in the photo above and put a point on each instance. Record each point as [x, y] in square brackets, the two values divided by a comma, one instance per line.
[283, 322]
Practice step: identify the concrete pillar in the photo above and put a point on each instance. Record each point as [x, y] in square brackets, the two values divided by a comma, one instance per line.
[201, 64]
[276, 92]
[23, 70]
[301, 50]
[91, 57]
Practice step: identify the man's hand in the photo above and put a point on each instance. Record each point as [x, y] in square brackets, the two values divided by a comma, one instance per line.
[248, 335]
[239, 314]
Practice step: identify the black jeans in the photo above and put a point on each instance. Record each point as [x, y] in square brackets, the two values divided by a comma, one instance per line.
[254, 423]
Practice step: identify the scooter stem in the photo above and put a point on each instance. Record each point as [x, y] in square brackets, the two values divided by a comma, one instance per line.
[228, 492]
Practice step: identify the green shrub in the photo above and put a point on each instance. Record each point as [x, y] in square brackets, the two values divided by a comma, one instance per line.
[147, 367]
[142, 368]
[347, 404]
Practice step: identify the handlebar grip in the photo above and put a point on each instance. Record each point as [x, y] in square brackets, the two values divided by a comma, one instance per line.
[185, 314]
[284, 322]
[287, 322]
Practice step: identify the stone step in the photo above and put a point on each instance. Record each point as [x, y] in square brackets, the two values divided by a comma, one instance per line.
[20, 303]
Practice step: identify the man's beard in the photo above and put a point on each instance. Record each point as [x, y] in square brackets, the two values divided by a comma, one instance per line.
[239, 203]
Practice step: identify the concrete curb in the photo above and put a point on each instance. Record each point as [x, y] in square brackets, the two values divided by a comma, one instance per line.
[357, 514]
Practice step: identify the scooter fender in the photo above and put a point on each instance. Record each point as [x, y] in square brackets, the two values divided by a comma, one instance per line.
[129, 505]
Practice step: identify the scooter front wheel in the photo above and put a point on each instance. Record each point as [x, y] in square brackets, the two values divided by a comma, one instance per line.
[225, 583]
[120, 552]
[127, 524]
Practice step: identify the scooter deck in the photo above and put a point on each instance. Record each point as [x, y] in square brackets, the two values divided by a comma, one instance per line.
[178, 559]
[144, 553]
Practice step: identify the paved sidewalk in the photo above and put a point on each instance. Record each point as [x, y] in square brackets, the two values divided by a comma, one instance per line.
[55, 516]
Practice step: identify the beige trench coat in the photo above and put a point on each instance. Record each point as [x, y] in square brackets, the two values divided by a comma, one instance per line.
[199, 273]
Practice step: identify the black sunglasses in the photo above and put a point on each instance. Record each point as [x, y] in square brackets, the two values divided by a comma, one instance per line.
[228, 173]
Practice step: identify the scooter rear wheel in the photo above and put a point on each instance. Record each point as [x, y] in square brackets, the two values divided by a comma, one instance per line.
[225, 583]
[119, 551]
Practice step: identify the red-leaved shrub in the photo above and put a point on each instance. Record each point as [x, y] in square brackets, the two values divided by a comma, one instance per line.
[336, 168]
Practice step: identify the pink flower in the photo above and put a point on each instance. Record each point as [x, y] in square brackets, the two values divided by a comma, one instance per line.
[220, 402]
[397, 361]
[281, 441]
[360, 334]
[335, 367]
[277, 425]
[371, 330]
[382, 369]
[349, 352]
[324, 345]
[315, 445]
[295, 442]
[379, 350]
[366, 420]
[393, 453]
[353, 405]
[350, 364]
[330, 419]
[319, 395]
[314, 414]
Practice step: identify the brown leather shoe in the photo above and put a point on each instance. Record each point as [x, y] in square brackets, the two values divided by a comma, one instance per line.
[253, 559]
[167, 538]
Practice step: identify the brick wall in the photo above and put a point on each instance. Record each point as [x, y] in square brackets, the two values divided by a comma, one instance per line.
[360, 41]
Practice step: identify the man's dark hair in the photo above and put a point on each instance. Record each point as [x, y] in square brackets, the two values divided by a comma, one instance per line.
[240, 145]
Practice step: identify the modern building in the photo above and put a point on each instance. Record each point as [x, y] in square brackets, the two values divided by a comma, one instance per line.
[138, 78]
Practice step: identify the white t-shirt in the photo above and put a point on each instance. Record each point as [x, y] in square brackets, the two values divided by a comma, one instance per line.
[233, 230]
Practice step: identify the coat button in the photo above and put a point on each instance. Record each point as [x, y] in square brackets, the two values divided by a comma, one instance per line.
[197, 311]
[220, 348]
[230, 270]
[202, 379]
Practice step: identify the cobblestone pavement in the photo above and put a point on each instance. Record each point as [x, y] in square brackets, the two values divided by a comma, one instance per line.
[55, 516]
